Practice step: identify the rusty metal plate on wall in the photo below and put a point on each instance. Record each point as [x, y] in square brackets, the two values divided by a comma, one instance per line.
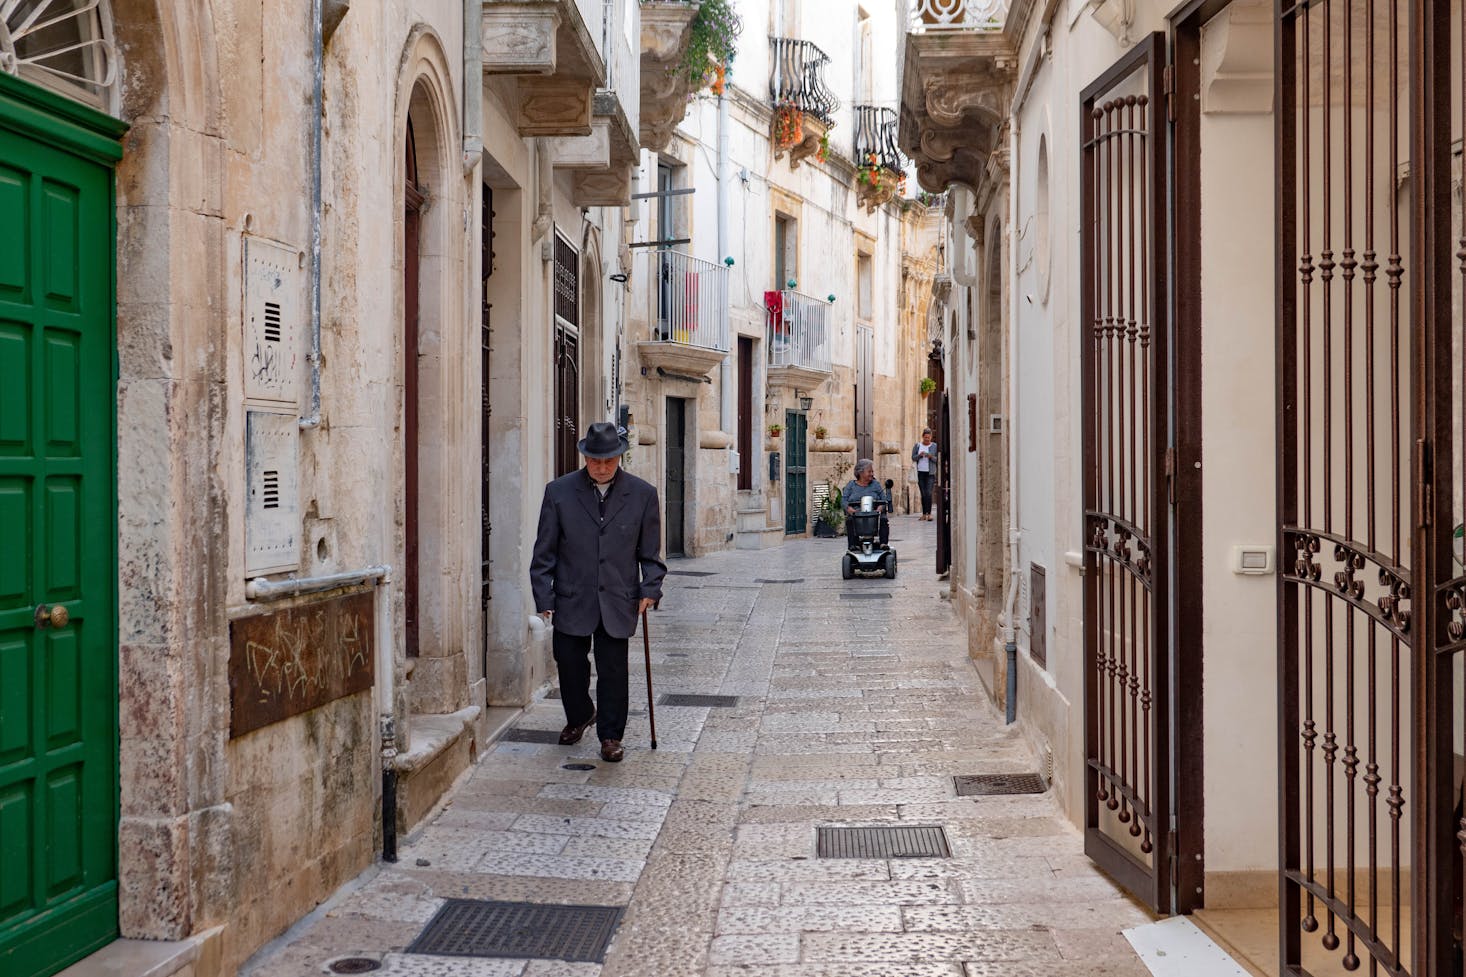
[290, 661]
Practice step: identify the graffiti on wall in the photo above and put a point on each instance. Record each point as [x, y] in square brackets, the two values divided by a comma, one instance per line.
[289, 661]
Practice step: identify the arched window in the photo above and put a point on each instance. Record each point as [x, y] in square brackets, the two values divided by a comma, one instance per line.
[63, 45]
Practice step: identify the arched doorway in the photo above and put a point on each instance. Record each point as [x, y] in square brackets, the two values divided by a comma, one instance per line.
[58, 601]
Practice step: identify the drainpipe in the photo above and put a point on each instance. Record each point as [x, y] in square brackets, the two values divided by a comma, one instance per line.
[318, 70]
[387, 720]
[473, 85]
[727, 418]
[1010, 630]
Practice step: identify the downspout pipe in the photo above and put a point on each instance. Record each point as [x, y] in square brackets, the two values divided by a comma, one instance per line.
[727, 419]
[473, 84]
[386, 717]
[1009, 625]
[318, 71]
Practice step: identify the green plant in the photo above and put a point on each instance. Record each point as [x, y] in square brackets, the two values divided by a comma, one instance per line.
[927, 386]
[712, 40]
[833, 512]
[824, 151]
[820, 432]
[775, 430]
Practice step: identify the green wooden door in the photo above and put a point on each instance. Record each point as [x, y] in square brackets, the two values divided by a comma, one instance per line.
[58, 658]
[796, 490]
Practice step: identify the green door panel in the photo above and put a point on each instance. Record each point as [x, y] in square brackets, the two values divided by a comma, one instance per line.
[58, 685]
[796, 495]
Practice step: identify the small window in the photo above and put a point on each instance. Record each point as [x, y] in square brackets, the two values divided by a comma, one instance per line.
[786, 250]
[865, 287]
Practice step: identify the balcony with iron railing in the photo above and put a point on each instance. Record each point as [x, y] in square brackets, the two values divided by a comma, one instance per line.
[958, 69]
[804, 106]
[881, 166]
[799, 338]
[689, 322]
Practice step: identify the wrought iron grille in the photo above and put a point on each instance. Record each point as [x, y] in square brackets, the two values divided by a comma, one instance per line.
[875, 138]
[1125, 498]
[692, 300]
[797, 78]
[799, 330]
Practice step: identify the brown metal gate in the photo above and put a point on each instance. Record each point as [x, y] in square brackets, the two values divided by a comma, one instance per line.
[1370, 598]
[1125, 382]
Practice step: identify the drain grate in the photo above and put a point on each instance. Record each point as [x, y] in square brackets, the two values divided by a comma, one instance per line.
[905, 841]
[676, 654]
[518, 735]
[683, 699]
[977, 785]
[353, 965]
[484, 928]
[691, 573]
[789, 580]
[865, 596]
[577, 766]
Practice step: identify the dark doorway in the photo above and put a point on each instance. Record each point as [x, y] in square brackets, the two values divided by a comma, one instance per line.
[412, 198]
[676, 496]
[567, 356]
[745, 413]
[486, 245]
[864, 387]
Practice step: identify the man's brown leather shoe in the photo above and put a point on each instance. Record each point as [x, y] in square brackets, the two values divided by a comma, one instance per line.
[571, 734]
[611, 751]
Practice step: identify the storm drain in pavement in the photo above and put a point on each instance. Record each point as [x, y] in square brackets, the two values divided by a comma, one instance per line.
[872, 595]
[532, 736]
[684, 699]
[353, 965]
[789, 580]
[999, 783]
[525, 930]
[904, 841]
[691, 573]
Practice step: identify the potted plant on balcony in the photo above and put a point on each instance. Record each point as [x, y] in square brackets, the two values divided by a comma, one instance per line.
[926, 386]
[712, 41]
[820, 431]
[788, 127]
[824, 150]
[775, 430]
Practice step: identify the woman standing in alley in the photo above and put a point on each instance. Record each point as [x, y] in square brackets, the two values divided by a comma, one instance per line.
[924, 455]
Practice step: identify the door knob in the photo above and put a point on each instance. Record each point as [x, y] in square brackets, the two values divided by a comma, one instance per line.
[55, 616]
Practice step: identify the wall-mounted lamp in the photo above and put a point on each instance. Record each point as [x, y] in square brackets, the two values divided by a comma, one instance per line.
[791, 283]
[805, 403]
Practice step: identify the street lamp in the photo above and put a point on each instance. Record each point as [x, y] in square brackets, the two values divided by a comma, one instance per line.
[805, 402]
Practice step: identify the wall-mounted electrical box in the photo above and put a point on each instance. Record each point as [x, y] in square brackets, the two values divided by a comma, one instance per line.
[273, 333]
[1251, 559]
[272, 524]
[995, 423]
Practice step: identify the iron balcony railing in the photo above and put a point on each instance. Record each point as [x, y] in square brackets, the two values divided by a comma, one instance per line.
[950, 15]
[797, 78]
[799, 330]
[875, 138]
[692, 300]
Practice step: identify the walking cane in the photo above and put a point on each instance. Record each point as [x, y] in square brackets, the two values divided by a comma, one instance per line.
[646, 644]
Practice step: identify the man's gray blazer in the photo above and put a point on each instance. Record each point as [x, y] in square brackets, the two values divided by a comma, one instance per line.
[590, 570]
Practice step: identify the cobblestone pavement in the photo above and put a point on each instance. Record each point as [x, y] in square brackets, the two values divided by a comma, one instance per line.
[856, 706]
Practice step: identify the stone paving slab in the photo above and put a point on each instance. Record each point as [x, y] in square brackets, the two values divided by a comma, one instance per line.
[851, 713]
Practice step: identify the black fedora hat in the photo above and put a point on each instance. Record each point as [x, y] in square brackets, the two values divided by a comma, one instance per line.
[602, 440]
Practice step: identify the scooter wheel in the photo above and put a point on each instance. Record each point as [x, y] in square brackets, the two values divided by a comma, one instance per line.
[891, 565]
[847, 567]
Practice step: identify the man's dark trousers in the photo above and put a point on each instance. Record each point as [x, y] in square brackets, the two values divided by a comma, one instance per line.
[572, 660]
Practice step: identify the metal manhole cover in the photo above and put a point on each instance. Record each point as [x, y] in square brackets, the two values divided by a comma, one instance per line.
[691, 573]
[577, 766]
[531, 736]
[525, 930]
[905, 841]
[866, 596]
[789, 580]
[977, 785]
[353, 965]
[682, 699]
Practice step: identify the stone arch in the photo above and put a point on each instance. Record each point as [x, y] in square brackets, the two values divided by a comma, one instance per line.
[425, 102]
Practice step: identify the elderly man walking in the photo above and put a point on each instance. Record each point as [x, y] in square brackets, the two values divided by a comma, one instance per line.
[597, 566]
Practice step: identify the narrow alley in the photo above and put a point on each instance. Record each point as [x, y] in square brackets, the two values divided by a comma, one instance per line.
[854, 704]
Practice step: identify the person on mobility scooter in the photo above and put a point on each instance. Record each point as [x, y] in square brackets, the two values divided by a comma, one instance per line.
[867, 532]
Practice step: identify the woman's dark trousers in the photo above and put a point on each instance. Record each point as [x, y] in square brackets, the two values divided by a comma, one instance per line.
[924, 482]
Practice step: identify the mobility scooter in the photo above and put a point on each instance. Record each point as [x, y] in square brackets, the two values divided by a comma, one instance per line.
[868, 556]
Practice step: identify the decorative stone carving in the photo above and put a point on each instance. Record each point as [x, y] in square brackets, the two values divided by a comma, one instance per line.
[665, 33]
[609, 185]
[546, 44]
[954, 90]
[592, 152]
[604, 188]
[1236, 60]
[814, 131]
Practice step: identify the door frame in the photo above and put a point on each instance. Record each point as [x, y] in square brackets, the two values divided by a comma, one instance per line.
[682, 403]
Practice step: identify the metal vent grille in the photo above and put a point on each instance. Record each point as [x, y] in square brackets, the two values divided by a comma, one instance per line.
[977, 785]
[905, 841]
[531, 736]
[272, 322]
[483, 928]
[272, 490]
[683, 699]
[867, 596]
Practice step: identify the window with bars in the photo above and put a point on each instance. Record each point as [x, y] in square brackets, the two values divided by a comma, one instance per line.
[567, 355]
